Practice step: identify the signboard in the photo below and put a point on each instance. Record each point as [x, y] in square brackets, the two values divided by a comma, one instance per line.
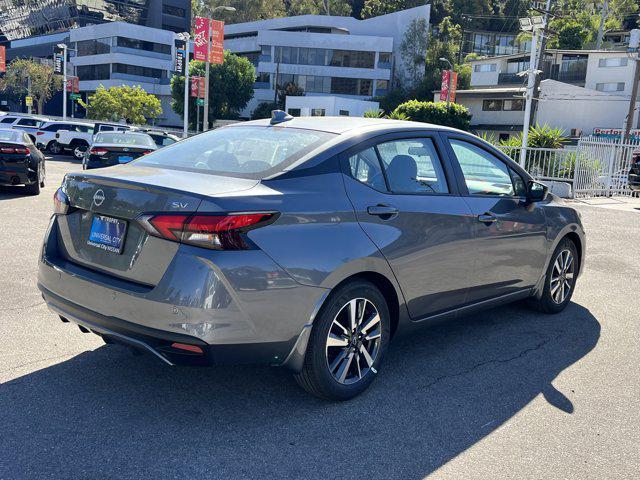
[73, 84]
[3, 59]
[196, 88]
[28, 101]
[179, 61]
[615, 133]
[201, 39]
[449, 78]
[217, 42]
[200, 102]
[75, 96]
[58, 60]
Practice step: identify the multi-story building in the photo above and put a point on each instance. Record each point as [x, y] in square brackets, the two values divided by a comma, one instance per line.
[324, 55]
[26, 19]
[580, 90]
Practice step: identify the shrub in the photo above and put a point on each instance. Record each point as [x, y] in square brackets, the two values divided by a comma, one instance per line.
[263, 110]
[456, 116]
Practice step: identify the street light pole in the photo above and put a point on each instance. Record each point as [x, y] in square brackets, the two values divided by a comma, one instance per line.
[64, 80]
[205, 119]
[185, 125]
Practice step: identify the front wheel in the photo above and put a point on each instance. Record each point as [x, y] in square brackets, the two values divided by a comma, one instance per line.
[560, 279]
[78, 151]
[347, 344]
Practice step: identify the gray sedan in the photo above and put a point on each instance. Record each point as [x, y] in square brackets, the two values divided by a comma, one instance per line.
[307, 243]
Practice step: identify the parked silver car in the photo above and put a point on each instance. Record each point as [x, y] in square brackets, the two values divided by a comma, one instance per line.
[307, 243]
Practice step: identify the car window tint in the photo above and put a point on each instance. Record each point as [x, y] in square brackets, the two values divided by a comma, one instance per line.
[518, 184]
[413, 166]
[7, 120]
[28, 122]
[483, 173]
[365, 167]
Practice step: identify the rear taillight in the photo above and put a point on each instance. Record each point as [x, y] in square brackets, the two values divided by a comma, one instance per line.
[147, 152]
[98, 151]
[15, 150]
[39, 133]
[219, 232]
[60, 202]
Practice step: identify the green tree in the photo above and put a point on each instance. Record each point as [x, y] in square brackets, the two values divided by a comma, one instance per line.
[246, 10]
[263, 110]
[413, 50]
[318, 7]
[456, 116]
[133, 104]
[43, 82]
[230, 87]
[374, 8]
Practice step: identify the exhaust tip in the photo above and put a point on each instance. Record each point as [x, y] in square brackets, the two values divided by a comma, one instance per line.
[15, 180]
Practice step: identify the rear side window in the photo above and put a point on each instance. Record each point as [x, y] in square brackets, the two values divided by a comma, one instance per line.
[243, 151]
[7, 120]
[484, 174]
[365, 167]
[413, 166]
[28, 122]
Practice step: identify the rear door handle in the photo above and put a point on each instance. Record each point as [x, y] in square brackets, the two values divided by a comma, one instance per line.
[382, 210]
[487, 218]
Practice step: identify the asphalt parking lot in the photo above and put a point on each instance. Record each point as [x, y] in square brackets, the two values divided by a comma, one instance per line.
[507, 393]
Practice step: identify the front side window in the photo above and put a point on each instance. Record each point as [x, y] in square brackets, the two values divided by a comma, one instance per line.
[28, 122]
[243, 151]
[483, 173]
[365, 167]
[413, 166]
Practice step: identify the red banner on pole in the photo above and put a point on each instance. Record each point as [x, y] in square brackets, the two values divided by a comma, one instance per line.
[449, 81]
[201, 39]
[217, 42]
[201, 87]
[196, 88]
[73, 85]
[3, 59]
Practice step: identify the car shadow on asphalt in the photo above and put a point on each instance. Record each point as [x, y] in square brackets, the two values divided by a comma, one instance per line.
[8, 193]
[442, 389]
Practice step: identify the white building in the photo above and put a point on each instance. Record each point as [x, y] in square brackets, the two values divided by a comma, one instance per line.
[581, 90]
[328, 105]
[324, 55]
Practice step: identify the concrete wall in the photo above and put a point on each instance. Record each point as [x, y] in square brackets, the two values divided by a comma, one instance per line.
[331, 104]
[597, 74]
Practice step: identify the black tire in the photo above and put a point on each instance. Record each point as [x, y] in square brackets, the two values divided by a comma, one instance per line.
[549, 301]
[316, 376]
[54, 148]
[34, 188]
[43, 177]
[78, 149]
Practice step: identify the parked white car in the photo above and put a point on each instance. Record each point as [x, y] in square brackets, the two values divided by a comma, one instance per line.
[46, 134]
[27, 123]
[78, 142]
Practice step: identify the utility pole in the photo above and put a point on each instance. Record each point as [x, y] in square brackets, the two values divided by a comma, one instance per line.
[29, 94]
[540, 62]
[534, 25]
[634, 97]
[603, 18]
[64, 80]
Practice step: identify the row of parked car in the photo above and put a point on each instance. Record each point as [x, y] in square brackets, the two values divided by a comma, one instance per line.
[23, 138]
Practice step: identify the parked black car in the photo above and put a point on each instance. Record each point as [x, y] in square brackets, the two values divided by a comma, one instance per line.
[21, 163]
[114, 148]
[634, 173]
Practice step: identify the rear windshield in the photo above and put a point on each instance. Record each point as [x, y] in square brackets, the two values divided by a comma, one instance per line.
[247, 152]
[7, 136]
[125, 139]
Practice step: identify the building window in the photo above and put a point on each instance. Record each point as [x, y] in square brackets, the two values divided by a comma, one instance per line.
[263, 77]
[344, 113]
[94, 47]
[175, 11]
[352, 59]
[294, 111]
[517, 66]
[324, 57]
[317, 112]
[485, 67]
[610, 87]
[265, 50]
[384, 57]
[93, 72]
[139, 71]
[613, 62]
[143, 45]
[382, 85]
[492, 105]
[513, 105]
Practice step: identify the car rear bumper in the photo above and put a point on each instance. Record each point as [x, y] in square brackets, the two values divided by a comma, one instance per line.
[234, 312]
[17, 176]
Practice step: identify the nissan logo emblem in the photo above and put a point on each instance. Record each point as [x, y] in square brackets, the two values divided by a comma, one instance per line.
[98, 198]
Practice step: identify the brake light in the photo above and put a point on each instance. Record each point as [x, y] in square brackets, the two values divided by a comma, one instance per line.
[60, 202]
[98, 151]
[147, 152]
[218, 232]
[15, 150]
[39, 133]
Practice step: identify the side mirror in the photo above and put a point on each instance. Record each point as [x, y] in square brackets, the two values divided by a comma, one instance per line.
[536, 192]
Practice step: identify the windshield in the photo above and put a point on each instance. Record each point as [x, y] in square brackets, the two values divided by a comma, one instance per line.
[249, 152]
[140, 139]
[7, 135]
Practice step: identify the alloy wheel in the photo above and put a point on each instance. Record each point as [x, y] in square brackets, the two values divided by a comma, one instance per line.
[562, 276]
[353, 341]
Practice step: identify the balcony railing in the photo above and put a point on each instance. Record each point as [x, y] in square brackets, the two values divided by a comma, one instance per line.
[570, 76]
[510, 78]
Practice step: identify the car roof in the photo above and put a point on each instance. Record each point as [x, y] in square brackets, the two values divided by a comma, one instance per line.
[70, 122]
[343, 124]
[17, 134]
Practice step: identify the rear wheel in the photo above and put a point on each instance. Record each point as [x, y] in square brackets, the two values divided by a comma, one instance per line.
[560, 279]
[78, 149]
[54, 147]
[347, 344]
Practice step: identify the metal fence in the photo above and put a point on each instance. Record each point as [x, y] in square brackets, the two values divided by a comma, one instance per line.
[546, 163]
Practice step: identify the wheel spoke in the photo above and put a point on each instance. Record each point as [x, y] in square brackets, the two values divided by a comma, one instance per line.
[358, 366]
[353, 307]
[366, 355]
[336, 322]
[337, 341]
[336, 361]
[556, 265]
[567, 261]
[555, 289]
[344, 368]
[374, 320]
[373, 335]
[569, 276]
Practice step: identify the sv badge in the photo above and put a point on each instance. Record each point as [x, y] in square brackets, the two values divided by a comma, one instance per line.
[179, 205]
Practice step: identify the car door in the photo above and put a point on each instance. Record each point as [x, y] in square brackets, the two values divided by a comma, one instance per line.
[511, 243]
[407, 202]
